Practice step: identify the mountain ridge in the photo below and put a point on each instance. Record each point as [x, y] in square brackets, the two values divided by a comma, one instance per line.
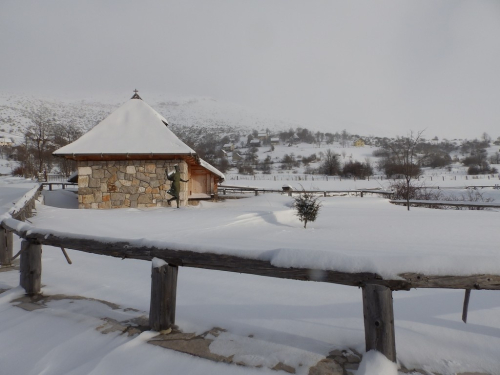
[186, 113]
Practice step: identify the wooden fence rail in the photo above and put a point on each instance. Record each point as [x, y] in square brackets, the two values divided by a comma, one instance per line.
[377, 291]
[447, 203]
[224, 189]
[62, 184]
[22, 210]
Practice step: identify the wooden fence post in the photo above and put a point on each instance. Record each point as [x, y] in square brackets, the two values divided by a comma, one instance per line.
[29, 210]
[31, 267]
[6, 239]
[163, 296]
[379, 320]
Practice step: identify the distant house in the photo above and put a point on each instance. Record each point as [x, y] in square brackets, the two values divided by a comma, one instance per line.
[255, 143]
[275, 141]
[294, 139]
[359, 143]
[125, 159]
[262, 136]
[228, 147]
[4, 141]
[236, 157]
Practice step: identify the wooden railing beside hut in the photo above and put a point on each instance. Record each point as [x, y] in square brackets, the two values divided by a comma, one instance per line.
[22, 210]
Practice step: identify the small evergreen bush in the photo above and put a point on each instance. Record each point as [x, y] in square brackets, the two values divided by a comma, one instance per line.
[307, 206]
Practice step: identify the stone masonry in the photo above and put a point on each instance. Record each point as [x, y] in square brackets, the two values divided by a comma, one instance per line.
[128, 183]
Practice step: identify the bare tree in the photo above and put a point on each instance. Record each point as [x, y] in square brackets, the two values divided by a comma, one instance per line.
[495, 158]
[404, 152]
[330, 165]
[63, 135]
[344, 138]
[38, 137]
[486, 138]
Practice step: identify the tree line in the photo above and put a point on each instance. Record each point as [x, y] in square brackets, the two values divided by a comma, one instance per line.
[45, 134]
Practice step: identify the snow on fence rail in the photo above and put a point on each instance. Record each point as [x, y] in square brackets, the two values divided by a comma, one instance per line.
[472, 205]
[21, 210]
[377, 291]
[245, 189]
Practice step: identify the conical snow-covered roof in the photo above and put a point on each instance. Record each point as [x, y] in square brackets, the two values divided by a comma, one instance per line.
[134, 128]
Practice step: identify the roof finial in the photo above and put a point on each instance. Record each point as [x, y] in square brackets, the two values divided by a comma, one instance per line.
[136, 95]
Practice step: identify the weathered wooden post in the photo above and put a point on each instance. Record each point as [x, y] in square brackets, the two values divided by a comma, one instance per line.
[163, 295]
[379, 320]
[31, 267]
[29, 209]
[6, 253]
[361, 194]
[256, 192]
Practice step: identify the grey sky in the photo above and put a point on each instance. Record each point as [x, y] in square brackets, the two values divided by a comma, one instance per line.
[369, 66]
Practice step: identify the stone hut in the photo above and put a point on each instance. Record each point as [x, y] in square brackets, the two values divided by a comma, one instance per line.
[124, 161]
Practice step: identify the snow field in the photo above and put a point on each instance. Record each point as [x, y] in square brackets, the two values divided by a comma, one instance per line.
[290, 321]
[294, 322]
[351, 234]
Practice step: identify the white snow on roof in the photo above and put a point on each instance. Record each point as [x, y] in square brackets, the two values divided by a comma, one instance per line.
[134, 128]
[212, 169]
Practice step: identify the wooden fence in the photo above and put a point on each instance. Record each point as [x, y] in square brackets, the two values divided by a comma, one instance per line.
[447, 176]
[224, 189]
[22, 210]
[377, 291]
[62, 184]
[458, 204]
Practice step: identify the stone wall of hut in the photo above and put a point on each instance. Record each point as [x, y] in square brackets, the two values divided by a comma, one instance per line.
[128, 183]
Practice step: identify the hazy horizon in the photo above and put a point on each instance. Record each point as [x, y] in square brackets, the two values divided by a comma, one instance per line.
[382, 67]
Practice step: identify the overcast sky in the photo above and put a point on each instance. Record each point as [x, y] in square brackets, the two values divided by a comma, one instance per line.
[368, 66]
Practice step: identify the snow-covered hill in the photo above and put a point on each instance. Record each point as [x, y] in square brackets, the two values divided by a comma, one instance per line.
[188, 114]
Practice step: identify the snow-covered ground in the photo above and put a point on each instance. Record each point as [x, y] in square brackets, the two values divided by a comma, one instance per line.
[437, 176]
[267, 320]
[12, 190]
[351, 234]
